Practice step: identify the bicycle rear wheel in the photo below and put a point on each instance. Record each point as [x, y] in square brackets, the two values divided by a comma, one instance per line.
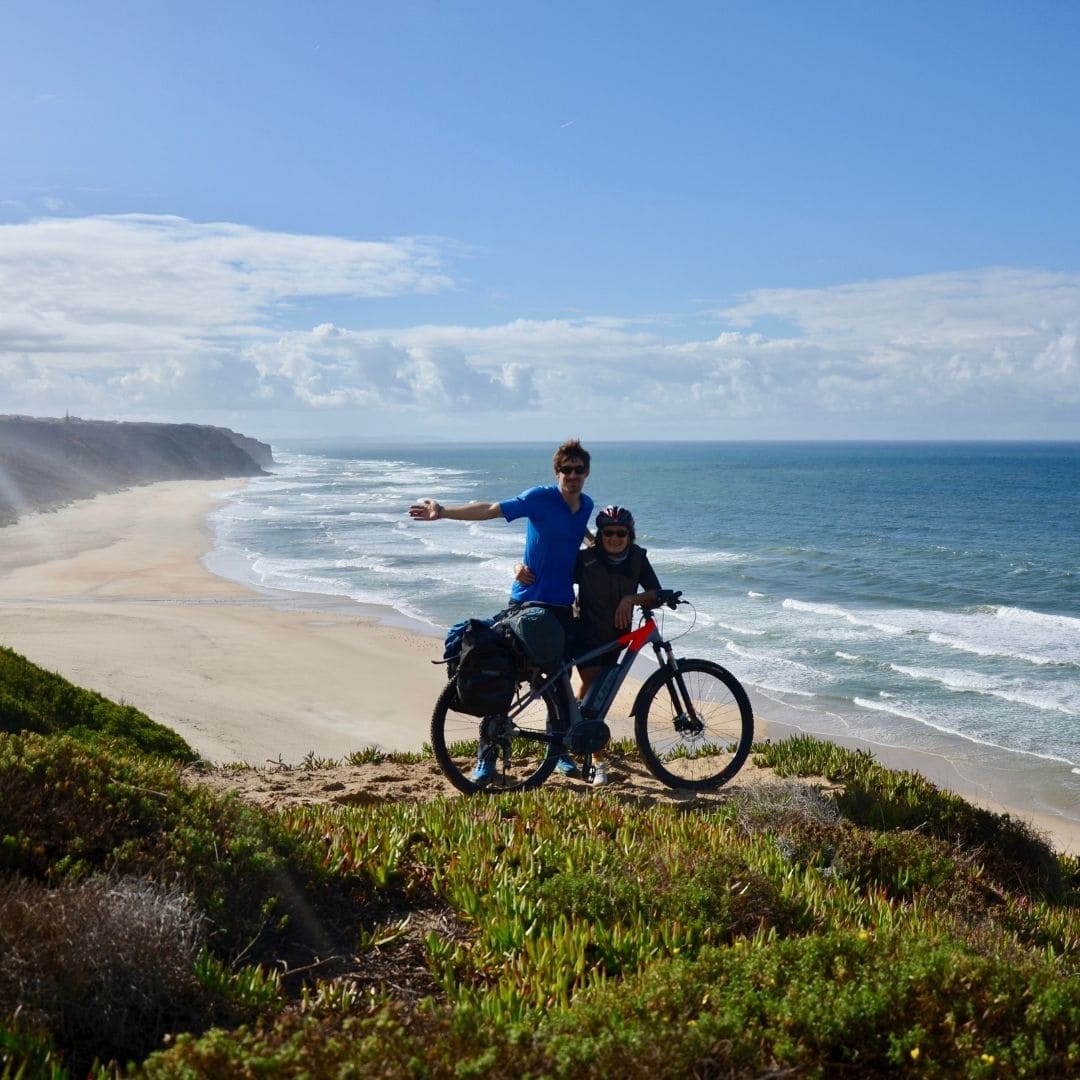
[702, 746]
[519, 763]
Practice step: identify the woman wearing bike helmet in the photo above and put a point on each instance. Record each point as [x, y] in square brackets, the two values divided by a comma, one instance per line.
[612, 577]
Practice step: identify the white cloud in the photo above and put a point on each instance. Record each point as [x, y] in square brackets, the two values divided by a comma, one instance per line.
[419, 369]
[158, 316]
[959, 340]
[126, 289]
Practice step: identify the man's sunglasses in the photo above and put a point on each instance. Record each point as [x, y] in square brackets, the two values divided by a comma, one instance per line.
[621, 534]
[573, 470]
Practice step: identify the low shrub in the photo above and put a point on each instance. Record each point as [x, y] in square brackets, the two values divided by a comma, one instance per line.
[547, 934]
[837, 1003]
[71, 811]
[105, 966]
[32, 699]
[1011, 852]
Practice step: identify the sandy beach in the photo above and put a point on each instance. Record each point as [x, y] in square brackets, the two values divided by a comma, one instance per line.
[112, 593]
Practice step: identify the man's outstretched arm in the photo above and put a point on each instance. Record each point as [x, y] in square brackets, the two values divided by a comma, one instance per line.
[430, 510]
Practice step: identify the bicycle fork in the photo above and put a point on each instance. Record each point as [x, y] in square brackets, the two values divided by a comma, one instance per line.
[686, 719]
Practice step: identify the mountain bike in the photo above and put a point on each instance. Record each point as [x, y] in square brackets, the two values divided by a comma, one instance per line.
[692, 719]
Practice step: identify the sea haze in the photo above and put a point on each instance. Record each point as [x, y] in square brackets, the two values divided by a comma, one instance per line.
[915, 594]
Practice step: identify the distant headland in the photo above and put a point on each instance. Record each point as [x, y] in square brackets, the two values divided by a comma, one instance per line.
[46, 462]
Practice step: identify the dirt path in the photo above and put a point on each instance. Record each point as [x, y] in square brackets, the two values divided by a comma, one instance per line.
[276, 786]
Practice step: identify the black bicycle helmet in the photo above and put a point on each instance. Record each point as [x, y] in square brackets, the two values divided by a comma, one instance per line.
[615, 515]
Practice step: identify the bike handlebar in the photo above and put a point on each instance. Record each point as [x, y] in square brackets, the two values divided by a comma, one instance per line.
[669, 598]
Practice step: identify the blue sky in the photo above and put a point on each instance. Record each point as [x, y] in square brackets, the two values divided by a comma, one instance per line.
[537, 220]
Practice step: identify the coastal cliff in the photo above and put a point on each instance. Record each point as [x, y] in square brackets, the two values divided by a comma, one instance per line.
[47, 462]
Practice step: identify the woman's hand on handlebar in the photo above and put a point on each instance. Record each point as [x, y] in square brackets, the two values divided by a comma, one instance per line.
[624, 613]
[668, 598]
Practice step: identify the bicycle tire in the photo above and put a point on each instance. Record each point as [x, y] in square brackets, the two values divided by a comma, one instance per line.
[521, 763]
[694, 759]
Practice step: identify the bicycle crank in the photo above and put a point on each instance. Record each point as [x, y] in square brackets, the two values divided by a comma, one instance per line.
[589, 737]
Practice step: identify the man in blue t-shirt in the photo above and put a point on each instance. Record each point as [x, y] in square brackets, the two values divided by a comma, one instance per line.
[558, 517]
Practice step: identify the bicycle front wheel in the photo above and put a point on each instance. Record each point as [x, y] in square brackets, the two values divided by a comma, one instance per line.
[516, 762]
[699, 741]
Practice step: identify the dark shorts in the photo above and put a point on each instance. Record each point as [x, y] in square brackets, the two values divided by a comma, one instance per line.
[609, 657]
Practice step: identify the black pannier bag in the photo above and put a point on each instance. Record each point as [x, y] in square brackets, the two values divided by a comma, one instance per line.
[486, 674]
[539, 636]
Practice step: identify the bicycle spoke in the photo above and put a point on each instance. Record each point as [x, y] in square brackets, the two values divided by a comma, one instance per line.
[697, 743]
[516, 761]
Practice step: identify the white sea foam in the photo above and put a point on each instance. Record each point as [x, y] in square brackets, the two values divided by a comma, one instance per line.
[1036, 700]
[1026, 636]
[777, 672]
[691, 556]
[858, 619]
[1002, 649]
[959, 732]
[1016, 691]
[817, 609]
[786, 690]
[1007, 632]
[1053, 624]
[877, 706]
[737, 650]
[746, 630]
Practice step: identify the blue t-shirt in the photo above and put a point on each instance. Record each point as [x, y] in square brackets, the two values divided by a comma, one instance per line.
[552, 539]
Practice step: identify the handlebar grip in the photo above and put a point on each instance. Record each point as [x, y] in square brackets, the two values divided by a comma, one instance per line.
[669, 597]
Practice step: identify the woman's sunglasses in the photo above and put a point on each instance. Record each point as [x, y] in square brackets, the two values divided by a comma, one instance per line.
[621, 534]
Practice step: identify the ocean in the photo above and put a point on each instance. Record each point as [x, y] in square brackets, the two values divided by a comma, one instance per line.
[918, 595]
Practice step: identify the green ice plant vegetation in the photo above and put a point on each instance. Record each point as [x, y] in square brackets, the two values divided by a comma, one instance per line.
[368, 755]
[840, 920]
[372, 755]
[32, 699]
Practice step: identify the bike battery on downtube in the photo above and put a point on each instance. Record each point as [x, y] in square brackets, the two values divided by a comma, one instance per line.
[598, 697]
[592, 735]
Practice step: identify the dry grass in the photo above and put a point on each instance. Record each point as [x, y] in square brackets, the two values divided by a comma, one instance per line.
[106, 965]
